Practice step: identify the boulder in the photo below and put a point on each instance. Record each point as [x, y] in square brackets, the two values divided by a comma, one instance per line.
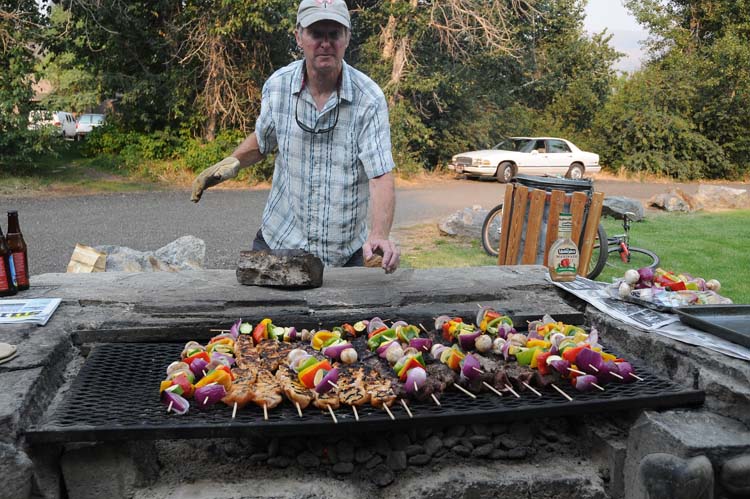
[466, 223]
[280, 268]
[719, 197]
[185, 253]
[617, 206]
[675, 200]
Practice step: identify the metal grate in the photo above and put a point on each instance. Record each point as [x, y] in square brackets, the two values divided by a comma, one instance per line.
[115, 397]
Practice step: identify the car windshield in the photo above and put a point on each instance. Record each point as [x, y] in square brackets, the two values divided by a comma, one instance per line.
[514, 145]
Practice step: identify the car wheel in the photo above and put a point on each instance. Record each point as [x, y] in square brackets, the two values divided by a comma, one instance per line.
[575, 172]
[504, 172]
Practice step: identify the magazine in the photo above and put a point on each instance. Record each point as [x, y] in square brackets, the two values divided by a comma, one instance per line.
[32, 310]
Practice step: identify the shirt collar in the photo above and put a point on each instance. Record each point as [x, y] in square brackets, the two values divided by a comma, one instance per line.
[346, 80]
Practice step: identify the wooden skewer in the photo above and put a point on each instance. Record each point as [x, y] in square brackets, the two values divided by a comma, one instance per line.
[576, 371]
[332, 384]
[220, 330]
[423, 328]
[467, 392]
[265, 412]
[499, 394]
[479, 305]
[416, 388]
[636, 377]
[478, 370]
[169, 409]
[531, 388]
[234, 410]
[437, 402]
[299, 409]
[561, 392]
[594, 368]
[205, 400]
[615, 375]
[512, 391]
[336, 421]
[408, 411]
[389, 412]
[356, 415]
[597, 386]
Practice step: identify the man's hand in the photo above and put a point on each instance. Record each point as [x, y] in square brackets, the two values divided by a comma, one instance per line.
[223, 170]
[385, 248]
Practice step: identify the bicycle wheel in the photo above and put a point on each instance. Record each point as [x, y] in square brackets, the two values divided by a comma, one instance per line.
[639, 258]
[491, 230]
[598, 257]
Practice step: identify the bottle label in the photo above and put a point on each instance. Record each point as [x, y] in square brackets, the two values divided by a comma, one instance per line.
[19, 263]
[3, 276]
[565, 261]
[12, 272]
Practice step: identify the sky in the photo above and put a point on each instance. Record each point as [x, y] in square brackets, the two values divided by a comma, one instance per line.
[611, 14]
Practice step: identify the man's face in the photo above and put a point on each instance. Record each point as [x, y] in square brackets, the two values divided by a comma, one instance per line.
[323, 44]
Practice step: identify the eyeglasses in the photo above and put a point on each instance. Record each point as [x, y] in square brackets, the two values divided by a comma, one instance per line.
[322, 130]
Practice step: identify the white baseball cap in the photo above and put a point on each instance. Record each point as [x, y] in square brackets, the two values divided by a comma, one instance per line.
[312, 11]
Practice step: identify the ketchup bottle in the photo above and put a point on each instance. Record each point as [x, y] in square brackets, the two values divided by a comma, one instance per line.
[18, 251]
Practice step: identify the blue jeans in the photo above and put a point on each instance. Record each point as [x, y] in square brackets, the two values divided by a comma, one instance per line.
[356, 260]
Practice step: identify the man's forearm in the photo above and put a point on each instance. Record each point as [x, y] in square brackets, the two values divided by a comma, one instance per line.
[248, 152]
[382, 205]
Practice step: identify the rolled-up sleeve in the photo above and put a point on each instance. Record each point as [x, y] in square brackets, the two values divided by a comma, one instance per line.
[375, 141]
[265, 127]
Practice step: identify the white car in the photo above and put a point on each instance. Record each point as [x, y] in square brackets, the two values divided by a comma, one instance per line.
[529, 156]
[63, 121]
[86, 123]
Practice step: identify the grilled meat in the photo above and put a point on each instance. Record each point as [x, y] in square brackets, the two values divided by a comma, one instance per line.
[241, 391]
[245, 354]
[267, 390]
[272, 354]
[352, 389]
[327, 399]
[293, 389]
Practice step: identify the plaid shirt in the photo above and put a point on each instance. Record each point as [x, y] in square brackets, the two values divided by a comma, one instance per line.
[320, 193]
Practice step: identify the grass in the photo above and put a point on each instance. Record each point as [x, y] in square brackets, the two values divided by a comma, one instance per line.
[708, 245]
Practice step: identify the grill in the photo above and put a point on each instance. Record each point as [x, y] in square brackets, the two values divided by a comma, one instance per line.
[115, 397]
[463, 161]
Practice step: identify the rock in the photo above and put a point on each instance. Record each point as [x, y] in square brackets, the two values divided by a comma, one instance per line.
[17, 470]
[424, 432]
[185, 253]
[466, 223]
[308, 460]
[382, 447]
[280, 268]
[273, 447]
[376, 460]
[664, 476]
[258, 457]
[398, 441]
[480, 429]
[345, 451]
[498, 428]
[617, 206]
[483, 450]
[462, 450]
[718, 197]
[343, 468]
[279, 461]
[414, 449]
[735, 476]
[478, 440]
[456, 431]
[519, 435]
[432, 445]
[451, 441]
[397, 460]
[419, 459]
[362, 455]
[381, 475]
[675, 200]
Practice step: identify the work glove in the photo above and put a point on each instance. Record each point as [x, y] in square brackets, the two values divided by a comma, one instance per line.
[223, 170]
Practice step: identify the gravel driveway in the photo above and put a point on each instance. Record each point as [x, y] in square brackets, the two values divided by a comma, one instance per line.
[228, 219]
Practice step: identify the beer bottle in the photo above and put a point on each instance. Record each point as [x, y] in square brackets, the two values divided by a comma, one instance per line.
[18, 251]
[7, 286]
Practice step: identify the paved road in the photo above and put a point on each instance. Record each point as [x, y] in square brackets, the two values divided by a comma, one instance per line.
[225, 219]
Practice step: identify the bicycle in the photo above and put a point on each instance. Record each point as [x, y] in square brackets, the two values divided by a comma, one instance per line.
[628, 257]
[492, 230]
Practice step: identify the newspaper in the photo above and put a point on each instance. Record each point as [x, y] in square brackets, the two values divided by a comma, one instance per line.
[29, 311]
[666, 324]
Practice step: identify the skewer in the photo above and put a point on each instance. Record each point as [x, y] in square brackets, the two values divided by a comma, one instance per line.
[299, 409]
[437, 402]
[636, 377]
[499, 394]
[615, 375]
[234, 410]
[423, 328]
[389, 412]
[478, 370]
[205, 400]
[597, 386]
[531, 388]
[169, 409]
[479, 305]
[336, 421]
[594, 368]
[265, 412]
[332, 384]
[416, 388]
[403, 402]
[576, 371]
[512, 390]
[467, 392]
[356, 415]
[220, 330]
[561, 392]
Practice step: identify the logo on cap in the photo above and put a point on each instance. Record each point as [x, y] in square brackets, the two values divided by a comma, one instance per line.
[324, 3]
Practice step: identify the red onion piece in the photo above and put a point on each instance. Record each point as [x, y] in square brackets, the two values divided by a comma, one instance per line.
[560, 366]
[235, 329]
[209, 395]
[589, 361]
[375, 323]
[225, 359]
[584, 382]
[197, 367]
[325, 385]
[646, 275]
[533, 335]
[179, 404]
[607, 368]
[439, 321]
[298, 360]
[415, 375]
[466, 340]
[625, 369]
[470, 366]
[421, 344]
[383, 347]
[334, 351]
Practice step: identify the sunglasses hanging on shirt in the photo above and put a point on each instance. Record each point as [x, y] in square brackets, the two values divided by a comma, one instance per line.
[296, 108]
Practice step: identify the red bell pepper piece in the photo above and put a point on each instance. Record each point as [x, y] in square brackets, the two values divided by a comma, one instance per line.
[541, 363]
[200, 355]
[260, 333]
[570, 354]
[376, 331]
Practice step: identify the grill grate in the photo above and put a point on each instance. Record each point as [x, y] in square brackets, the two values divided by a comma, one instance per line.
[115, 397]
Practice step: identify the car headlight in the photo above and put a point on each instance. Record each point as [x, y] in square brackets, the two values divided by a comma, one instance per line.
[480, 162]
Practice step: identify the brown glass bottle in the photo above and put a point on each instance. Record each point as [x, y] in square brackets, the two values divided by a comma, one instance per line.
[7, 286]
[18, 251]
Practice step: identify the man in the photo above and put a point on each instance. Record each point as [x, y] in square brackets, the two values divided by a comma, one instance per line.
[330, 125]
